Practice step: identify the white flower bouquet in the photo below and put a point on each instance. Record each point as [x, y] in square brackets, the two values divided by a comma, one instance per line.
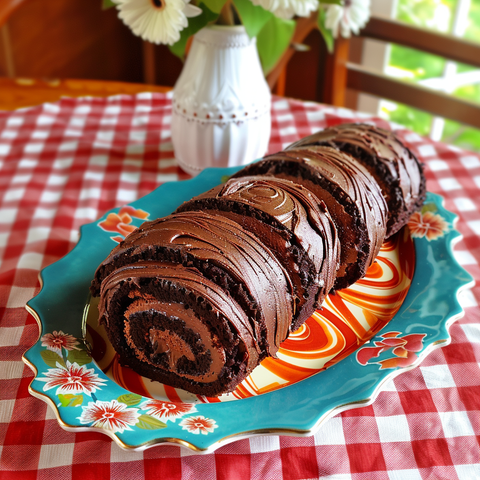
[273, 22]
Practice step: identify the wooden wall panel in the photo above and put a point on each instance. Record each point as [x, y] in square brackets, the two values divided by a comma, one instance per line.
[72, 39]
[167, 66]
[303, 75]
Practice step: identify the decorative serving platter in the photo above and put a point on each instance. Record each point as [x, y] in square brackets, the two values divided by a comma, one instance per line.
[383, 325]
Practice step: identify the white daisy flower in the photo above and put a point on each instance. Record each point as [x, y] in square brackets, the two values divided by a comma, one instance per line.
[157, 21]
[288, 8]
[349, 17]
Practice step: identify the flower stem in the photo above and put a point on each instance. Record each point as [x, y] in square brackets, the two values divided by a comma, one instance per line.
[226, 16]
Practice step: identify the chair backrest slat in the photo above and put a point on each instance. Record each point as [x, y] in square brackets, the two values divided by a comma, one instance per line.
[436, 43]
[437, 103]
[341, 74]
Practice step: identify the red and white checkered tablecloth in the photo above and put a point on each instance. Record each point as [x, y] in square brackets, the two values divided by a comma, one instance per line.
[64, 164]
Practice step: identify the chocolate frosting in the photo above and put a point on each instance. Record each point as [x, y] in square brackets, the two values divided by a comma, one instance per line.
[299, 210]
[352, 186]
[389, 160]
[218, 240]
[306, 218]
[356, 182]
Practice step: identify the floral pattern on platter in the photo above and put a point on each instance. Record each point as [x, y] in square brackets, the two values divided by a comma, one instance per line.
[404, 349]
[427, 223]
[113, 416]
[168, 410]
[199, 424]
[72, 379]
[55, 341]
[121, 222]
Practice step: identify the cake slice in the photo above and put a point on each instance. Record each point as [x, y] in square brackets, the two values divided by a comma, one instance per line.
[394, 166]
[352, 196]
[217, 252]
[171, 324]
[291, 222]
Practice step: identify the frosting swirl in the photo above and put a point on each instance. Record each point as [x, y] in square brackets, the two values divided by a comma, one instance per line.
[290, 221]
[300, 211]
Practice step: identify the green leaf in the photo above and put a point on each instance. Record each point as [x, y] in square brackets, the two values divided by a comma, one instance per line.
[70, 400]
[194, 25]
[331, 2]
[253, 17]
[130, 399]
[225, 178]
[429, 207]
[107, 4]
[80, 357]
[52, 358]
[326, 33]
[273, 40]
[213, 5]
[146, 422]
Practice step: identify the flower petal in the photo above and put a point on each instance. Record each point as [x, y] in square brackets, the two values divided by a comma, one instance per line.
[414, 342]
[367, 353]
[288, 8]
[348, 18]
[192, 11]
[152, 23]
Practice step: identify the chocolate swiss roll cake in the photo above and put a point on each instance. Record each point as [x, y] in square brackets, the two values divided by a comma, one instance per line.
[195, 301]
[171, 324]
[352, 196]
[290, 221]
[394, 166]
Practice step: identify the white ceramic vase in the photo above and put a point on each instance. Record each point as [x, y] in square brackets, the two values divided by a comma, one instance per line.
[221, 102]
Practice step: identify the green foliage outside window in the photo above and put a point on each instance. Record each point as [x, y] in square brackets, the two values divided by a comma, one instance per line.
[436, 14]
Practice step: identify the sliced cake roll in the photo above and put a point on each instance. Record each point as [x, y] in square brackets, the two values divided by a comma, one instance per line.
[199, 298]
[352, 196]
[291, 222]
[395, 168]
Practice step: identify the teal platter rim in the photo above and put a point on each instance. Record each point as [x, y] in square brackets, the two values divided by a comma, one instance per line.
[422, 322]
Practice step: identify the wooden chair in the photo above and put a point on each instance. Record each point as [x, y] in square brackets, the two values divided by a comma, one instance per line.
[342, 73]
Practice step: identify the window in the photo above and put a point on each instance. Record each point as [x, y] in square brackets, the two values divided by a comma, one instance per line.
[458, 17]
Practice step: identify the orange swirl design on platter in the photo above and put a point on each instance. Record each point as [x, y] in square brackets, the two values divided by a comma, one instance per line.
[346, 321]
